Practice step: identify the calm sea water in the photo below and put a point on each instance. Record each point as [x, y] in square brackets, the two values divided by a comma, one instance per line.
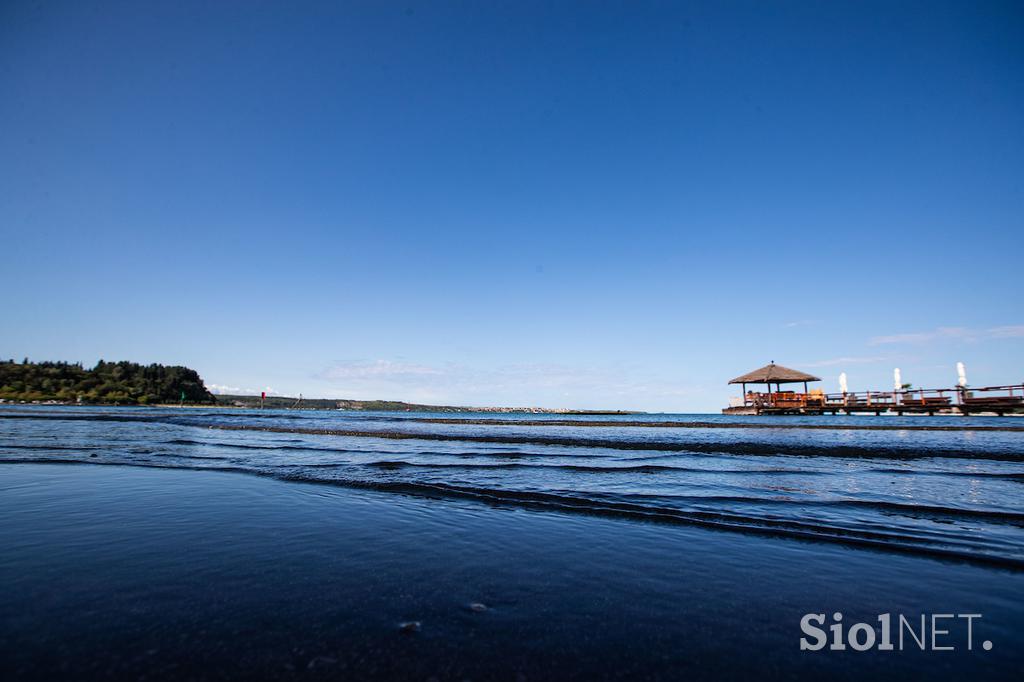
[952, 493]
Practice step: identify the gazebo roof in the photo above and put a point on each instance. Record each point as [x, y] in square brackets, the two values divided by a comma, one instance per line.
[774, 374]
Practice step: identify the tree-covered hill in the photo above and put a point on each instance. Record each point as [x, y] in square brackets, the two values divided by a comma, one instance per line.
[126, 383]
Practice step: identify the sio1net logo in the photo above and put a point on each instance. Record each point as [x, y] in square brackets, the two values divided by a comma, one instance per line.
[935, 632]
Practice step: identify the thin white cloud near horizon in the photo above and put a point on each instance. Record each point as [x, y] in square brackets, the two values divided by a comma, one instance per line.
[832, 362]
[376, 369]
[952, 333]
[219, 389]
[553, 385]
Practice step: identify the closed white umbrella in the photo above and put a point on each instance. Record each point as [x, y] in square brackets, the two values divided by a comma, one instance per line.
[897, 382]
[962, 373]
[842, 382]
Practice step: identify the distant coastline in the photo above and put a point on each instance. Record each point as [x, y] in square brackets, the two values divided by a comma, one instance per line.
[279, 403]
[128, 383]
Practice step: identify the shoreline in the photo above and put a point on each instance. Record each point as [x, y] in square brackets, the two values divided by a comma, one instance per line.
[950, 495]
[171, 573]
[412, 408]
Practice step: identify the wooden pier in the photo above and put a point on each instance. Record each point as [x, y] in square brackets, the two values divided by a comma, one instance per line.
[989, 400]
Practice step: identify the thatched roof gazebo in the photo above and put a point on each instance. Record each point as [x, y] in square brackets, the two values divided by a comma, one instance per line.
[773, 374]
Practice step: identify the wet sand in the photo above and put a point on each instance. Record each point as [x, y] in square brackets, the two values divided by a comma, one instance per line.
[122, 572]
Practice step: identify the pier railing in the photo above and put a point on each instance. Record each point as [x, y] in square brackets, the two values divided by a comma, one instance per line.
[997, 399]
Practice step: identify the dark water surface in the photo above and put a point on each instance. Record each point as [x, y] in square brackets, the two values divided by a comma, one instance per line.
[114, 572]
[953, 493]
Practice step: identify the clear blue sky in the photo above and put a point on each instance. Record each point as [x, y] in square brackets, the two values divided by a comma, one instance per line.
[617, 205]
